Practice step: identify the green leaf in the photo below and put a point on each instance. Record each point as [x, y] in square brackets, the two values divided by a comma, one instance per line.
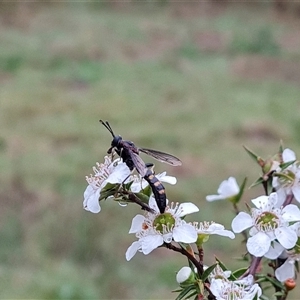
[281, 147]
[260, 280]
[185, 291]
[242, 258]
[263, 297]
[242, 187]
[252, 154]
[238, 197]
[127, 185]
[105, 195]
[223, 267]
[284, 176]
[260, 180]
[207, 272]
[279, 294]
[239, 272]
[109, 186]
[256, 297]
[176, 291]
[109, 190]
[142, 197]
[287, 164]
[147, 191]
[191, 265]
[272, 280]
[192, 294]
[188, 296]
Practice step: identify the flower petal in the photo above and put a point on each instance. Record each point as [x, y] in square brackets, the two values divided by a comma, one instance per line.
[136, 224]
[224, 232]
[241, 222]
[291, 213]
[217, 286]
[285, 271]
[138, 186]
[91, 199]
[259, 244]
[281, 195]
[288, 155]
[215, 226]
[119, 174]
[151, 242]
[273, 199]
[211, 198]
[152, 203]
[261, 202]
[185, 233]
[166, 178]
[228, 188]
[131, 251]
[286, 236]
[187, 208]
[274, 251]
[296, 192]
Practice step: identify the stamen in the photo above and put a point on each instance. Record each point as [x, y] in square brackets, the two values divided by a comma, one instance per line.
[101, 173]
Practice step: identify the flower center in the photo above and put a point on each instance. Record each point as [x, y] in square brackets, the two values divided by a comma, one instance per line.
[233, 292]
[164, 223]
[267, 221]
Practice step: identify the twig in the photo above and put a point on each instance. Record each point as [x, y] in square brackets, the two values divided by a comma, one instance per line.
[137, 200]
[253, 266]
[288, 200]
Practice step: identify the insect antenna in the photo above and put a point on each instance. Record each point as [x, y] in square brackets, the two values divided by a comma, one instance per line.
[107, 126]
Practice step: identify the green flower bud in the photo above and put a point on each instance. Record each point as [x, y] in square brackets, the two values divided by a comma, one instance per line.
[185, 276]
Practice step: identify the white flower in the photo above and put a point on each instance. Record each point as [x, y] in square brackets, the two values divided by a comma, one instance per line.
[154, 229]
[287, 269]
[140, 183]
[244, 289]
[108, 172]
[227, 189]
[208, 228]
[268, 223]
[289, 183]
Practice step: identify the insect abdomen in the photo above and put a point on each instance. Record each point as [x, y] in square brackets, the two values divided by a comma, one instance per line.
[158, 190]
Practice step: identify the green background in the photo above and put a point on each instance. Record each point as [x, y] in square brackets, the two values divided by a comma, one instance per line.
[198, 80]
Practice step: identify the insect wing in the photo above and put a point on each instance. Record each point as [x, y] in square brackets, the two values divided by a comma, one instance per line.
[163, 157]
[130, 146]
[138, 163]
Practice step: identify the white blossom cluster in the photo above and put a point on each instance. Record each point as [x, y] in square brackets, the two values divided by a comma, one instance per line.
[271, 225]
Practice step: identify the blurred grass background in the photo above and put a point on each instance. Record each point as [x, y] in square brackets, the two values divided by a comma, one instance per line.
[197, 80]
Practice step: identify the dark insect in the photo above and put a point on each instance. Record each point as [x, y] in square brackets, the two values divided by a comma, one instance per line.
[130, 153]
[157, 188]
